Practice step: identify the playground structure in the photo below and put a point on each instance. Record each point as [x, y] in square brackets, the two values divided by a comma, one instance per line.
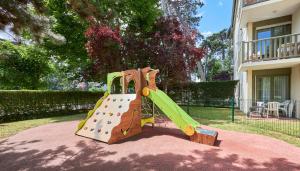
[119, 116]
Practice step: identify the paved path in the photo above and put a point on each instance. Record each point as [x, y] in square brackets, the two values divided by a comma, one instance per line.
[55, 147]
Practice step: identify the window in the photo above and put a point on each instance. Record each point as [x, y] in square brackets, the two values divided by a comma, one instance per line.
[268, 33]
[272, 88]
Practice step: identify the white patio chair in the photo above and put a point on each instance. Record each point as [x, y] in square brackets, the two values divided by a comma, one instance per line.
[284, 107]
[258, 109]
[273, 107]
[291, 108]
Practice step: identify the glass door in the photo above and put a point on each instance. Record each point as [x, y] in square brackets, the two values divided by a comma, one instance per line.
[272, 88]
[263, 88]
[263, 45]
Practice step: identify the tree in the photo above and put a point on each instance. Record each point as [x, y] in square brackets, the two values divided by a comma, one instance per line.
[26, 15]
[187, 13]
[71, 56]
[174, 51]
[22, 67]
[162, 43]
[115, 30]
[218, 59]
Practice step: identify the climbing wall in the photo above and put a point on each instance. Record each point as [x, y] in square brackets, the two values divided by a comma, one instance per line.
[107, 117]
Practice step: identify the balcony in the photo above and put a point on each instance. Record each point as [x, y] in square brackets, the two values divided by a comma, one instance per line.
[274, 48]
[251, 2]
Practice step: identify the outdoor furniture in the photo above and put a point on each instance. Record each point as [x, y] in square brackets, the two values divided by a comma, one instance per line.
[258, 109]
[272, 107]
[284, 106]
[291, 108]
[290, 49]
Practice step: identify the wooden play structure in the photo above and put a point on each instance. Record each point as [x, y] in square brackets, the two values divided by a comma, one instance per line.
[119, 116]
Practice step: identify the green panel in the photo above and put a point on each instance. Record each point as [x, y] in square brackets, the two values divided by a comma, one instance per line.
[111, 77]
[172, 110]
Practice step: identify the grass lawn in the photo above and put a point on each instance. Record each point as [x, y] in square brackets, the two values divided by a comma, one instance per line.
[214, 117]
[220, 118]
[11, 128]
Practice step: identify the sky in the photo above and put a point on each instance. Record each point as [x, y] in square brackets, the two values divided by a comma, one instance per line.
[5, 34]
[216, 15]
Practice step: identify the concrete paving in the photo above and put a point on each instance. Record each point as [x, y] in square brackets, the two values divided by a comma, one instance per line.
[55, 147]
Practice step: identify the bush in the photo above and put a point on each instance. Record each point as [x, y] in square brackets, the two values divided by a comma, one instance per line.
[19, 105]
[213, 93]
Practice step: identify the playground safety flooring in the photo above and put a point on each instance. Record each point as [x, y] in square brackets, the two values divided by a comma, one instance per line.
[55, 147]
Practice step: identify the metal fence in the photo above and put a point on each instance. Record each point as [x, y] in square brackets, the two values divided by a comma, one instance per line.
[257, 115]
[278, 116]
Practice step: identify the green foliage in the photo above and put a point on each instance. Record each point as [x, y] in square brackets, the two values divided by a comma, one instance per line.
[69, 58]
[137, 15]
[204, 90]
[219, 56]
[22, 67]
[20, 105]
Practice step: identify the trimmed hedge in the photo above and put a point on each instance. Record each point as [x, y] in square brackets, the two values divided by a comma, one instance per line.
[214, 93]
[19, 105]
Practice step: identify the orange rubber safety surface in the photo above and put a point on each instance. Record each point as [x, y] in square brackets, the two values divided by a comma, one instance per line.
[164, 147]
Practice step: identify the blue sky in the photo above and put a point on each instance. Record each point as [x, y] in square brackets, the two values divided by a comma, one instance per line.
[216, 16]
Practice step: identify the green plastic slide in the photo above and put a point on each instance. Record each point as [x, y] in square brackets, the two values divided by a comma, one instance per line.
[172, 110]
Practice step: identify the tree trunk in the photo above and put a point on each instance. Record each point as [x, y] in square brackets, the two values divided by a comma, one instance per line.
[201, 71]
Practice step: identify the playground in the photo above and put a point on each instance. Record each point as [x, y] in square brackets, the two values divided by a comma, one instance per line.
[119, 134]
[164, 147]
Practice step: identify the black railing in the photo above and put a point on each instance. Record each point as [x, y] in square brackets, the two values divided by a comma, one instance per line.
[282, 117]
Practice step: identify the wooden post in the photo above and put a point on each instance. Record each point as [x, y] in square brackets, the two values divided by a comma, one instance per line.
[123, 84]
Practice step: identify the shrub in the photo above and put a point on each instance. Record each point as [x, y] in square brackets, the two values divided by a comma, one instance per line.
[19, 105]
[213, 93]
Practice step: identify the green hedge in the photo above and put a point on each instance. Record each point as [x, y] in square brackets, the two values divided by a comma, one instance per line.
[214, 93]
[19, 105]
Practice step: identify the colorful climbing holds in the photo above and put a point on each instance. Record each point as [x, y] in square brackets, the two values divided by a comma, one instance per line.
[110, 114]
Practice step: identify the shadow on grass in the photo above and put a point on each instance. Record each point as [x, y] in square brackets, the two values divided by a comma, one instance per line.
[95, 156]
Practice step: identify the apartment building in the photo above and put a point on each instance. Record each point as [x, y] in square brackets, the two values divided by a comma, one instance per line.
[266, 43]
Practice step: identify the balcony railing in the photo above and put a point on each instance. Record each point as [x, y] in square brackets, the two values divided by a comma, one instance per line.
[251, 2]
[281, 47]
